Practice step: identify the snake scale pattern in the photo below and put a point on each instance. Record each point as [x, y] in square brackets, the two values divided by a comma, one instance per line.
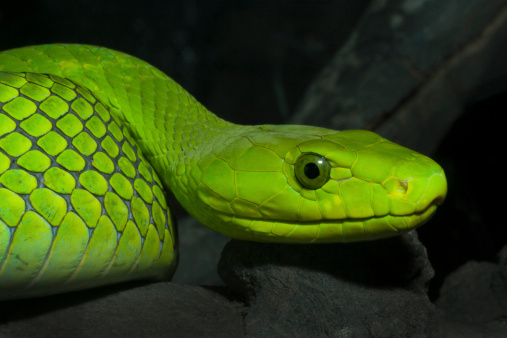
[92, 139]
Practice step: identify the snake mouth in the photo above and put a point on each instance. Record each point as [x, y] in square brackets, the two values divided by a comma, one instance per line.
[428, 213]
[325, 230]
[438, 201]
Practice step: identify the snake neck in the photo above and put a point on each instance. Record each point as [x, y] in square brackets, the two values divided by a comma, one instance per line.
[178, 139]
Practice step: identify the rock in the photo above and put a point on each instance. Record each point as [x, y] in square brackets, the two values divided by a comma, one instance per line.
[454, 329]
[199, 252]
[156, 310]
[473, 299]
[476, 294]
[346, 290]
[408, 69]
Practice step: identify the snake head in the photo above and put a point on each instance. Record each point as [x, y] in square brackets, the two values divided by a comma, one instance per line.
[308, 184]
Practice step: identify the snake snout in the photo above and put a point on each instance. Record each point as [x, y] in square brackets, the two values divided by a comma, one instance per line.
[438, 200]
[434, 194]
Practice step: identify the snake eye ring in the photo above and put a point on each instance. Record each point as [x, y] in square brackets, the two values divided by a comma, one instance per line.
[312, 170]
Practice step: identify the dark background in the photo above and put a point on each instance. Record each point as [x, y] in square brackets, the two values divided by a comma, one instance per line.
[248, 61]
[251, 61]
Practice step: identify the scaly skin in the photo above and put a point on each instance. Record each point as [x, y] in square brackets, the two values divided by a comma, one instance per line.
[81, 128]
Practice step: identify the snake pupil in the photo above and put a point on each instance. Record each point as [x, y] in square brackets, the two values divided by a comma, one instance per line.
[311, 170]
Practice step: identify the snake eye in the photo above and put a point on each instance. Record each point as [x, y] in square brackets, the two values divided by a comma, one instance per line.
[312, 170]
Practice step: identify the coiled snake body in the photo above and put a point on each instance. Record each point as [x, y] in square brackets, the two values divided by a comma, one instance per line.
[91, 138]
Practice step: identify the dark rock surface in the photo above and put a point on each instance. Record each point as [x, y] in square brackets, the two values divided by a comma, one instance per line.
[372, 289]
[156, 310]
[348, 290]
[199, 249]
[375, 289]
[476, 293]
[409, 68]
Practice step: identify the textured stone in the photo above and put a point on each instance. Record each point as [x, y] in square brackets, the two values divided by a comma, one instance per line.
[476, 293]
[405, 73]
[472, 299]
[337, 290]
[157, 310]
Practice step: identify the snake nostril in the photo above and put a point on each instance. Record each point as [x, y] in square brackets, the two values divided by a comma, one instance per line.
[402, 188]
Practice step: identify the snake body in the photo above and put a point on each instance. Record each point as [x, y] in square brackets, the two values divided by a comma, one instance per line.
[91, 139]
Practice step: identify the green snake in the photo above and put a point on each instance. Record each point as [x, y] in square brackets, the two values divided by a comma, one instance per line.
[91, 140]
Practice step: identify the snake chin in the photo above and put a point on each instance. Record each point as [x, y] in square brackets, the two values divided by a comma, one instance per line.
[429, 212]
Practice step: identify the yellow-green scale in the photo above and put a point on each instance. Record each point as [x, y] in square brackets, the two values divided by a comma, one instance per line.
[160, 115]
[78, 123]
[78, 205]
[168, 124]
